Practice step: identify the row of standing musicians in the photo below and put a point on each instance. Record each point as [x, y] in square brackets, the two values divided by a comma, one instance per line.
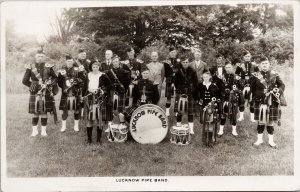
[213, 94]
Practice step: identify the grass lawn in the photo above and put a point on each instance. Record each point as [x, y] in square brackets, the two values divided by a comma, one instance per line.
[67, 154]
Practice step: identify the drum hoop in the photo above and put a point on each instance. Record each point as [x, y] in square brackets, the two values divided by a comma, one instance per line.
[145, 106]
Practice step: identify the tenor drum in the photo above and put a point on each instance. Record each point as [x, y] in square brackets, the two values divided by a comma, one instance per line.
[180, 135]
[148, 124]
[117, 133]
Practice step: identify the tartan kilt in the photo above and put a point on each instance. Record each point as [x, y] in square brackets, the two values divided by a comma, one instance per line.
[32, 103]
[63, 105]
[120, 104]
[273, 111]
[168, 89]
[230, 114]
[105, 109]
[190, 107]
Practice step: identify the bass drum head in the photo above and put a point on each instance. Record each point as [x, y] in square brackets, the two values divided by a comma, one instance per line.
[149, 124]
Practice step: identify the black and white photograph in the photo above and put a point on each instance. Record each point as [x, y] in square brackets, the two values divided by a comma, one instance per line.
[149, 95]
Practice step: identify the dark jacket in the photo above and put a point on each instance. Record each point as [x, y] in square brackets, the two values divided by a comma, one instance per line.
[185, 81]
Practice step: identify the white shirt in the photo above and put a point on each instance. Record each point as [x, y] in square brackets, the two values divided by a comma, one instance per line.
[94, 80]
[197, 63]
[207, 85]
[220, 71]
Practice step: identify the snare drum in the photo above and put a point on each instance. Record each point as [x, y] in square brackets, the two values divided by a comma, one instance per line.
[180, 135]
[148, 124]
[117, 133]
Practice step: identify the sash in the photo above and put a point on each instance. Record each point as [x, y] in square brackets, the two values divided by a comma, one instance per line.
[116, 78]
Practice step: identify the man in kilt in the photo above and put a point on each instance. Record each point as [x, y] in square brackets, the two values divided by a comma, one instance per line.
[120, 80]
[185, 82]
[267, 89]
[144, 92]
[82, 60]
[244, 71]
[134, 65]
[217, 71]
[71, 80]
[95, 99]
[207, 94]
[232, 99]
[171, 65]
[42, 82]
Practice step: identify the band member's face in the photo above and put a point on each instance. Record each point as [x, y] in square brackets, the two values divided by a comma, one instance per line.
[229, 69]
[154, 56]
[69, 63]
[82, 55]
[145, 74]
[95, 68]
[197, 55]
[247, 57]
[265, 65]
[39, 58]
[130, 54]
[116, 63]
[219, 60]
[173, 54]
[108, 55]
[206, 77]
[185, 63]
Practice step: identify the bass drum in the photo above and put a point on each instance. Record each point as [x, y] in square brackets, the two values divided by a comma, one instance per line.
[149, 124]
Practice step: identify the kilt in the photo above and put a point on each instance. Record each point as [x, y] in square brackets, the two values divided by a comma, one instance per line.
[273, 111]
[168, 90]
[63, 105]
[32, 103]
[118, 105]
[105, 109]
[190, 104]
[230, 113]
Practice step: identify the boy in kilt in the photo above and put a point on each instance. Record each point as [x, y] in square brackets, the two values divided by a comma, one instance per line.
[267, 88]
[71, 80]
[42, 82]
[244, 71]
[95, 100]
[208, 95]
[120, 80]
[231, 99]
[171, 65]
[185, 82]
[144, 92]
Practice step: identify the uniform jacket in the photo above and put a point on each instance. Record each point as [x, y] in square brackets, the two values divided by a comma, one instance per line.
[171, 66]
[272, 80]
[185, 81]
[85, 63]
[145, 86]
[123, 77]
[204, 94]
[246, 69]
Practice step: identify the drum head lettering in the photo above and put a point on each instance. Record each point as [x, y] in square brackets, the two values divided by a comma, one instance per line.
[148, 124]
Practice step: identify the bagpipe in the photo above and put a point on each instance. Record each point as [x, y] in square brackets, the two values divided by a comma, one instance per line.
[93, 106]
[209, 119]
[40, 99]
[265, 110]
[230, 104]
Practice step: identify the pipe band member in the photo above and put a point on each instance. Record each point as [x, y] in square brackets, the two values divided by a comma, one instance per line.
[267, 88]
[144, 92]
[120, 79]
[171, 65]
[207, 95]
[42, 82]
[232, 99]
[98, 87]
[244, 71]
[134, 65]
[185, 82]
[71, 80]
